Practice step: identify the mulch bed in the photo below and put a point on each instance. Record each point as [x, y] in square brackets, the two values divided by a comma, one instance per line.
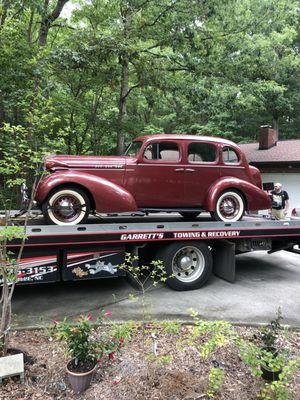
[176, 373]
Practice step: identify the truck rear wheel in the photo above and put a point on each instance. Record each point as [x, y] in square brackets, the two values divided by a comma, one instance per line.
[188, 264]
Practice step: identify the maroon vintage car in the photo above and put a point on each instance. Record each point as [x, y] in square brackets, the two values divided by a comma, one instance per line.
[182, 173]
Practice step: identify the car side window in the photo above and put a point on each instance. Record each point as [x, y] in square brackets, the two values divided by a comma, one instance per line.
[201, 152]
[230, 156]
[163, 151]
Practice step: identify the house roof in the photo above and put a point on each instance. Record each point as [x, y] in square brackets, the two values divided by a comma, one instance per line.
[284, 151]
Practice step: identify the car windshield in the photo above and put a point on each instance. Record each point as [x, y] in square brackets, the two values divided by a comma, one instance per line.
[133, 149]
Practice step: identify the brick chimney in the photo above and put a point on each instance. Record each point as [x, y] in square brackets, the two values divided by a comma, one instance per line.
[268, 137]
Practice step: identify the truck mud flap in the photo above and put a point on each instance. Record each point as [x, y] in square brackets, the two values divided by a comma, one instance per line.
[223, 253]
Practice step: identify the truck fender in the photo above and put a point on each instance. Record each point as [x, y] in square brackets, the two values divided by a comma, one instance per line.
[107, 196]
[256, 198]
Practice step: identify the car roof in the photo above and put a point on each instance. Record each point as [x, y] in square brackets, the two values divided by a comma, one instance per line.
[174, 136]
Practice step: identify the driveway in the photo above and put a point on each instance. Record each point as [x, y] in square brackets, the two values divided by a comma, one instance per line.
[263, 283]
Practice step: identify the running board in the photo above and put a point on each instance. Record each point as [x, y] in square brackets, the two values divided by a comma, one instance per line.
[171, 210]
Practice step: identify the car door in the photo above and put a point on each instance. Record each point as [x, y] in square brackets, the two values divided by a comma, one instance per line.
[156, 179]
[201, 170]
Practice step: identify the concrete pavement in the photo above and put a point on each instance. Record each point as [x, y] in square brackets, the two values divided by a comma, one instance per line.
[263, 283]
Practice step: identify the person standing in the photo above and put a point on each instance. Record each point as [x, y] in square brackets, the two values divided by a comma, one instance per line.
[280, 202]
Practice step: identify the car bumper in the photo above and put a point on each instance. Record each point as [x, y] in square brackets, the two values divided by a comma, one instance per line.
[25, 198]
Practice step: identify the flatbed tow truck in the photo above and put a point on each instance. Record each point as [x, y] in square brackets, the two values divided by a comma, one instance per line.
[190, 251]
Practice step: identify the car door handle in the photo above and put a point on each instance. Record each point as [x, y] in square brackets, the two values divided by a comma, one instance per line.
[190, 170]
[179, 169]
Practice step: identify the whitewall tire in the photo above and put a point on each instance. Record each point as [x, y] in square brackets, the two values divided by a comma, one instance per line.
[230, 207]
[69, 206]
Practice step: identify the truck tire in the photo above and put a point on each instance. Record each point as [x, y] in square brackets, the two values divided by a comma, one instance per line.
[188, 264]
[66, 206]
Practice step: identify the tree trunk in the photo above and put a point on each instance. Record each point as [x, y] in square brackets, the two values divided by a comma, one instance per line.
[48, 19]
[30, 26]
[122, 105]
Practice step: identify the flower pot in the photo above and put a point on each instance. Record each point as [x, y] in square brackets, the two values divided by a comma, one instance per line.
[268, 374]
[80, 381]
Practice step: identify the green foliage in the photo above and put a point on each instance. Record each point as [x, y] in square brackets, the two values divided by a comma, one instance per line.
[141, 274]
[123, 331]
[216, 334]
[215, 380]
[280, 389]
[83, 344]
[222, 68]
[249, 354]
[171, 327]
[268, 334]
[8, 233]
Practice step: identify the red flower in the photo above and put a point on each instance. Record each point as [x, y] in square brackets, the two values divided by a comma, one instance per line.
[108, 313]
[117, 380]
[122, 340]
[90, 318]
[111, 355]
[100, 360]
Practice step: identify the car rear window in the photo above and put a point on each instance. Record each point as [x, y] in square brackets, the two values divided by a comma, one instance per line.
[201, 152]
[230, 156]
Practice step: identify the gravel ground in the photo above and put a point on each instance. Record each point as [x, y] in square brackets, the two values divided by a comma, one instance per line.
[177, 372]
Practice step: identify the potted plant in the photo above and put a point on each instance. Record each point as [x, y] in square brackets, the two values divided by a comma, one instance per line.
[87, 347]
[271, 364]
[272, 358]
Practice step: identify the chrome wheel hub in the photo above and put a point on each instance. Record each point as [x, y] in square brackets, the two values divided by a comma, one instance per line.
[188, 264]
[185, 263]
[66, 208]
[229, 207]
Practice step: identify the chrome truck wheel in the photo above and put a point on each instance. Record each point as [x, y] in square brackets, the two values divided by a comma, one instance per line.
[188, 264]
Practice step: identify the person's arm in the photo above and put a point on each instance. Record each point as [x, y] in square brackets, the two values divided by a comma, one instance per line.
[286, 207]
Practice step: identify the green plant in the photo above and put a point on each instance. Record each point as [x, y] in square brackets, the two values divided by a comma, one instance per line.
[206, 336]
[280, 390]
[215, 380]
[84, 344]
[171, 327]
[256, 357]
[268, 335]
[144, 277]
[249, 354]
[123, 331]
[273, 361]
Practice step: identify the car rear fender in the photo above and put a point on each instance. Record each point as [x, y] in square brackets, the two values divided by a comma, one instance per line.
[107, 196]
[255, 198]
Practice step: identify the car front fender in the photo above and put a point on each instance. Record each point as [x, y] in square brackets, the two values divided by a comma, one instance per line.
[107, 196]
[256, 198]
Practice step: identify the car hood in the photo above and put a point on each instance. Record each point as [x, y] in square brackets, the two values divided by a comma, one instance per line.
[66, 162]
